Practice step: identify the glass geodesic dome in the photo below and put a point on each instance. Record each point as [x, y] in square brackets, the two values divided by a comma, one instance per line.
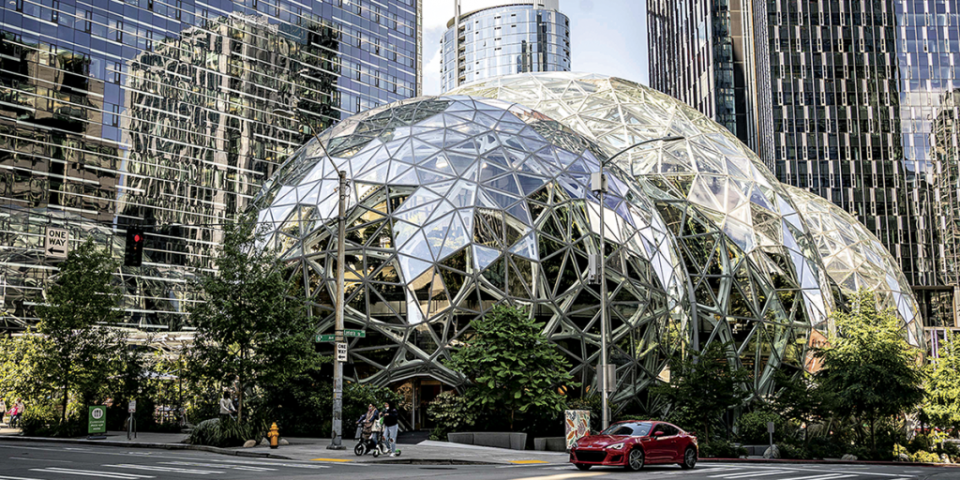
[757, 279]
[855, 259]
[458, 204]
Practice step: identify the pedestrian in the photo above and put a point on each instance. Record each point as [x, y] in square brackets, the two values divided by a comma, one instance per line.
[390, 420]
[3, 409]
[226, 407]
[18, 409]
[371, 416]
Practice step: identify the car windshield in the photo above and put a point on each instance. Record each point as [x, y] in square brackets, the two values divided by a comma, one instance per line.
[636, 429]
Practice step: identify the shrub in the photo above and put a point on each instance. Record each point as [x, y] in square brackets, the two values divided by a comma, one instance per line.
[450, 413]
[44, 421]
[224, 433]
[721, 449]
[752, 427]
[791, 452]
[924, 456]
[951, 449]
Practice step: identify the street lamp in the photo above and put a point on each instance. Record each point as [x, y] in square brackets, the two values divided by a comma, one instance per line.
[598, 184]
[336, 443]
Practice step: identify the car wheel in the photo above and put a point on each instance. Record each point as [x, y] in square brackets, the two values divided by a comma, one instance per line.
[635, 459]
[359, 449]
[583, 466]
[689, 459]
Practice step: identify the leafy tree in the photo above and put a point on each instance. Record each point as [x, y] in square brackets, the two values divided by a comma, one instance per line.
[869, 371]
[703, 387]
[248, 326]
[511, 366]
[942, 405]
[75, 347]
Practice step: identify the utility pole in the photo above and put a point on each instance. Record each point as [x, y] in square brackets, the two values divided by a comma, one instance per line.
[598, 184]
[336, 443]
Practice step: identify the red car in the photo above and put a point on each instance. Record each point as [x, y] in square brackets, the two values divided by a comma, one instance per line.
[633, 444]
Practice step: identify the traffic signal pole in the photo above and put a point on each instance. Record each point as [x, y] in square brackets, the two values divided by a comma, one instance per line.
[337, 442]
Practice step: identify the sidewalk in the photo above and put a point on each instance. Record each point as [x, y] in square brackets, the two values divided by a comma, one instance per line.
[315, 449]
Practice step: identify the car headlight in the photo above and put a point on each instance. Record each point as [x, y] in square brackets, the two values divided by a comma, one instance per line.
[615, 446]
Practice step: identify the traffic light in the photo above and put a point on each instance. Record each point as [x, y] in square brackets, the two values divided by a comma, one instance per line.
[133, 255]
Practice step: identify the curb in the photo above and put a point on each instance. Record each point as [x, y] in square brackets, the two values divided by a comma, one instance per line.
[161, 446]
[828, 462]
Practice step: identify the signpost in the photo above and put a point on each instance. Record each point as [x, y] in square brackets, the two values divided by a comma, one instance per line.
[341, 352]
[132, 422]
[770, 428]
[97, 422]
[56, 243]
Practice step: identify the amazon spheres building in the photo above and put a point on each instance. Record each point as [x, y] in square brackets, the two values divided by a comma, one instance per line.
[482, 197]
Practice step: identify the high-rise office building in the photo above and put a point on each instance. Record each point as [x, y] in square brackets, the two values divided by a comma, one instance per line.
[849, 99]
[170, 114]
[503, 37]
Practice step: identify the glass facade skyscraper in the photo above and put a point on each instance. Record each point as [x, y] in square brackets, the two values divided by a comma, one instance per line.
[512, 37]
[170, 114]
[849, 99]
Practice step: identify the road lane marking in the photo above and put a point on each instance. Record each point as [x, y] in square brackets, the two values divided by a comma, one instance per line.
[344, 460]
[246, 468]
[528, 462]
[289, 465]
[831, 476]
[90, 473]
[729, 476]
[157, 468]
[17, 478]
[564, 476]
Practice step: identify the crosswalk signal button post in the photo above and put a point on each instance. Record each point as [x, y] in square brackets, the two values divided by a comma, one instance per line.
[133, 255]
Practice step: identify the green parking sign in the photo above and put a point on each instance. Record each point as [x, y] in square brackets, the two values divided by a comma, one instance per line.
[97, 420]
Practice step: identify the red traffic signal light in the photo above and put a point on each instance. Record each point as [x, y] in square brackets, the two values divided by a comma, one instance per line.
[133, 252]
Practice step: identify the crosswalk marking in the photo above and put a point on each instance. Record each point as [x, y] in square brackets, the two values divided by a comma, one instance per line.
[157, 468]
[829, 476]
[246, 468]
[16, 478]
[312, 466]
[90, 473]
[729, 476]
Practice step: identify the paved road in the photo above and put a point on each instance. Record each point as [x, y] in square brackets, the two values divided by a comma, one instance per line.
[23, 461]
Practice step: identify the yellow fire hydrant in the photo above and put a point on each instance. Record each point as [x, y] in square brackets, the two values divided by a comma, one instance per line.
[274, 436]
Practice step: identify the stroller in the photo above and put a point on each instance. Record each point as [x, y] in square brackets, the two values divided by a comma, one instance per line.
[367, 445]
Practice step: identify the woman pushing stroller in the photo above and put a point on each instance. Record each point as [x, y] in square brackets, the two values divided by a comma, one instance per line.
[368, 430]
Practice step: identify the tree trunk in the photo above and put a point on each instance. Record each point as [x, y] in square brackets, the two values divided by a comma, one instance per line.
[63, 414]
[873, 437]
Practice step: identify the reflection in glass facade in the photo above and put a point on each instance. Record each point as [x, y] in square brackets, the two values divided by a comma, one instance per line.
[854, 90]
[170, 114]
[519, 36]
[458, 203]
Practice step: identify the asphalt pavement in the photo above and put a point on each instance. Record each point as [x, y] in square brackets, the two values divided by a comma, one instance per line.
[32, 461]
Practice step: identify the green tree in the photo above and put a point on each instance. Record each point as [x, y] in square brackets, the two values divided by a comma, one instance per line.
[703, 387]
[942, 405]
[249, 325]
[76, 347]
[510, 365]
[869, 370]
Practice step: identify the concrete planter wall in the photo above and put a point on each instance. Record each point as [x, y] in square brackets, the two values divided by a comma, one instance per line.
[514, 441]
[550, 444]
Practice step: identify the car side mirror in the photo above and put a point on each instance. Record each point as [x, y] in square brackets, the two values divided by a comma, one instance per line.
[658, 433]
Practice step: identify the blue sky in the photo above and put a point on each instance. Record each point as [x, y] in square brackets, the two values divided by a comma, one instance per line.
[606, 36]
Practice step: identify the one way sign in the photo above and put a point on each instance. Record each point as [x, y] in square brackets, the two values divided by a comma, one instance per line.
[56, 243]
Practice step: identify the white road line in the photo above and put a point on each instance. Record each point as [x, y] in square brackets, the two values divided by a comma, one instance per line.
[16, 478]
[729, 476]
[288, 465]
[156, 468]
[90, 473]
[246, 468]
[831, 476]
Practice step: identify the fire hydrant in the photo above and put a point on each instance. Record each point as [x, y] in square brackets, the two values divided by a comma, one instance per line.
[274, 436]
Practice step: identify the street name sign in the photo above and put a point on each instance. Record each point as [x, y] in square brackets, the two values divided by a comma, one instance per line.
[355, 333]
[328, 337]
[97, 420]
[341, 352]
[56, 243]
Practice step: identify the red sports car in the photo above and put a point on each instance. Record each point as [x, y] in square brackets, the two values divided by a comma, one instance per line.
[633, 444]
